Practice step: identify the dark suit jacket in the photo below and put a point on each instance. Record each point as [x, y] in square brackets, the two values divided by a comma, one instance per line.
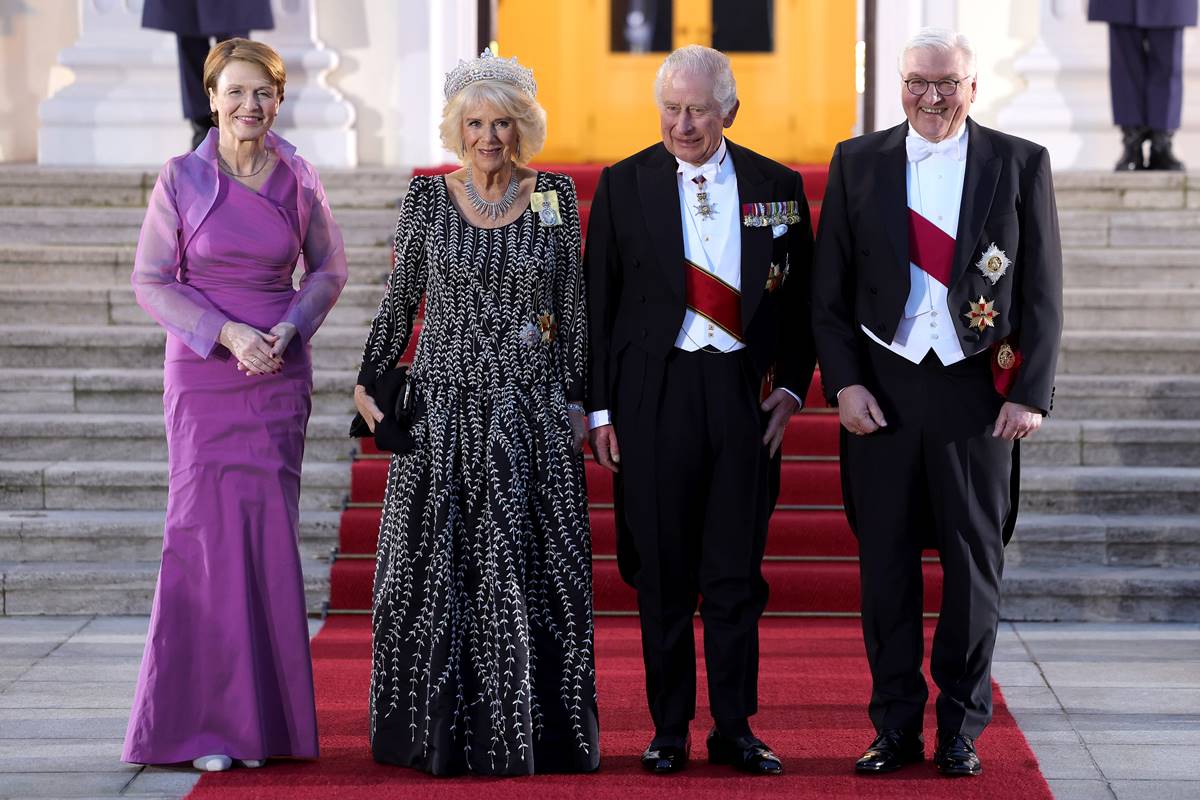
[207, 17]
[1144, 13]
[861, 274]
[635, 278]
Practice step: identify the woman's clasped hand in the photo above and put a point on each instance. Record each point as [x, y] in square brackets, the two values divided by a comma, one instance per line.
[257, 352]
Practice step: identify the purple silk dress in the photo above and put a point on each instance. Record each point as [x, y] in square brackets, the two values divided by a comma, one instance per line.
[226, 668]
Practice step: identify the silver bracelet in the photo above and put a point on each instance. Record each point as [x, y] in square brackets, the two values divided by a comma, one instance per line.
[576, 407]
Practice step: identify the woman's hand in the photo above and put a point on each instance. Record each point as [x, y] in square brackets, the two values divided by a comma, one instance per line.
[251, 347]
[365, 404]
[579, 429]
[284, 333]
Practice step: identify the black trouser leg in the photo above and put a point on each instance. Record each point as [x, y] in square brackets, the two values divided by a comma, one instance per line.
[885, 475]
[1164, 78]
[734, 539]
[1127, 75]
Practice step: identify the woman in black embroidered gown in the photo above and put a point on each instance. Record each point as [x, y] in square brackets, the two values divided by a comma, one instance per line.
[483, 650]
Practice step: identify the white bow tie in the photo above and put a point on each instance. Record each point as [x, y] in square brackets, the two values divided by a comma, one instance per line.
[920, 149]
[708, 171]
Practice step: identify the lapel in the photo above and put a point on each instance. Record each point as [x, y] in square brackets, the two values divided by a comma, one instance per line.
[891, 201]
[658, 190]
[979, 187]
[753, 187]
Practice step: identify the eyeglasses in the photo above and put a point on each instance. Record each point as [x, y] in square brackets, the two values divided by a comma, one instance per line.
[945, 87]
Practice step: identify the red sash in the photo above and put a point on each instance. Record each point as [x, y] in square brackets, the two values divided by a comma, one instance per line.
[713, 298]
[930, 248]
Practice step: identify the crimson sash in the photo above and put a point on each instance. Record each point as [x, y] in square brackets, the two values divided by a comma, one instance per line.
[713, 298]
[930, 248]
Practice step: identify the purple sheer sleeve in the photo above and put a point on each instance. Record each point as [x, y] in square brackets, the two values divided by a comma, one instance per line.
[325, 268]
[183, 311]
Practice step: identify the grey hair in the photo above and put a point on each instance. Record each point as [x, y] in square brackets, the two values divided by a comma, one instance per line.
[696, 59]
[942, 40]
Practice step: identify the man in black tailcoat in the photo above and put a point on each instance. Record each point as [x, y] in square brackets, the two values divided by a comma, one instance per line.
[195, 24]
[937, 311]
[698, 257]
[1145, 66]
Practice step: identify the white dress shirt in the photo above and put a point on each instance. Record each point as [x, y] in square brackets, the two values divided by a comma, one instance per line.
[935, 186]
[713, 244]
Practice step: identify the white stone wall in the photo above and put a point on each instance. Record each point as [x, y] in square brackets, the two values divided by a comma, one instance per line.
[32, 33]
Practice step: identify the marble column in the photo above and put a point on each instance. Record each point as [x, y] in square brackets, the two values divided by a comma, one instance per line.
[123, 108]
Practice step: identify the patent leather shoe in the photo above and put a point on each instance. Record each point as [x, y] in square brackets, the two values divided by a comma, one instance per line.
[955, 756]
[891, 750]
[666, 755]
[746, 753]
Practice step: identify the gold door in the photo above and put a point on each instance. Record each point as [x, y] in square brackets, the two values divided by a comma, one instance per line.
[793, 61]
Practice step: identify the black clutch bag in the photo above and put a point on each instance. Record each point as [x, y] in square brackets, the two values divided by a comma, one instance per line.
[396, 395]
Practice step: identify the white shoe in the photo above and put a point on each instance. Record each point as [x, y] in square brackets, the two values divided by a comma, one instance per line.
[217, 763]
[252, 763]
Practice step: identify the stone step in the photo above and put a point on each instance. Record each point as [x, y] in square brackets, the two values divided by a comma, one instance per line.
[1119, 190]
[102, 305]
[1114, 540]
[1101, 351]
[122, 536]
[135, 437]
[1122, 227]
[1168, 491]
[1092, 593]
[124, 391]
[1131, 309]
[1102, 443]
[33, 185]
[134, 485]
[1127, 396]
[1091, 265]
[133, 346]
[63, 587]
[120, 226]
[106, 265]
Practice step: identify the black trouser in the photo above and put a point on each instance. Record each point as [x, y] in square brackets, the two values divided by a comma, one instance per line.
[1145, 67]
[694, 489]
[192, 52]
[935, 475]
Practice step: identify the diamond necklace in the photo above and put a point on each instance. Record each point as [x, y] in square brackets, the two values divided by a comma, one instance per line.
[486, 208]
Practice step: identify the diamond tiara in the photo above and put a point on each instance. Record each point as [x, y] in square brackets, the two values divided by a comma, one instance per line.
[490, 68]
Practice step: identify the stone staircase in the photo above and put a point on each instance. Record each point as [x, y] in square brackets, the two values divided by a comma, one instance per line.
[1109, 528]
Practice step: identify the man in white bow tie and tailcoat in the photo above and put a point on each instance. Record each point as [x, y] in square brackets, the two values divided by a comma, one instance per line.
[937, 313]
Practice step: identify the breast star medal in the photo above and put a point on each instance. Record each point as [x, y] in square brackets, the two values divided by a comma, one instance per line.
[993, 263]
[982, 314]
[704, 208]
[545, 205]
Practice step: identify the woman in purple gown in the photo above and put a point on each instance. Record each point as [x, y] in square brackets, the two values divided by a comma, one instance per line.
[226, 673]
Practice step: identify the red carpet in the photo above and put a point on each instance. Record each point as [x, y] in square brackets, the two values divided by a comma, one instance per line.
[814, 688]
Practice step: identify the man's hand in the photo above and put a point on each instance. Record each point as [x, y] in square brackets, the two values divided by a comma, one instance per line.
[365, 404]
[858, 411]
[781, 405]
[1017, 421]
[604, 447]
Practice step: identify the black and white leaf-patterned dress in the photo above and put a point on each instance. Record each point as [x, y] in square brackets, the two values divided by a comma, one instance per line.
[483, 651]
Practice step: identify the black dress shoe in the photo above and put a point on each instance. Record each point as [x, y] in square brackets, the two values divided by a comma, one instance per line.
[955, 756]
[1132, 155]
[1161, 155]
[747, 753]
[663, 757]
[891, 750]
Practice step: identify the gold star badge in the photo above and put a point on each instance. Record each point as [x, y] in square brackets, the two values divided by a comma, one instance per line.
[982, 314]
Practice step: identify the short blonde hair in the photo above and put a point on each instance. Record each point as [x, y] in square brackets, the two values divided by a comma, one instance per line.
[526, 113]
[237, 49]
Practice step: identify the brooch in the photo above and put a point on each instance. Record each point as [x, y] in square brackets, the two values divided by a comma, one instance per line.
[993, 263]
[765, 215]
[982, 314]
[545, 205]
[776, 275]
